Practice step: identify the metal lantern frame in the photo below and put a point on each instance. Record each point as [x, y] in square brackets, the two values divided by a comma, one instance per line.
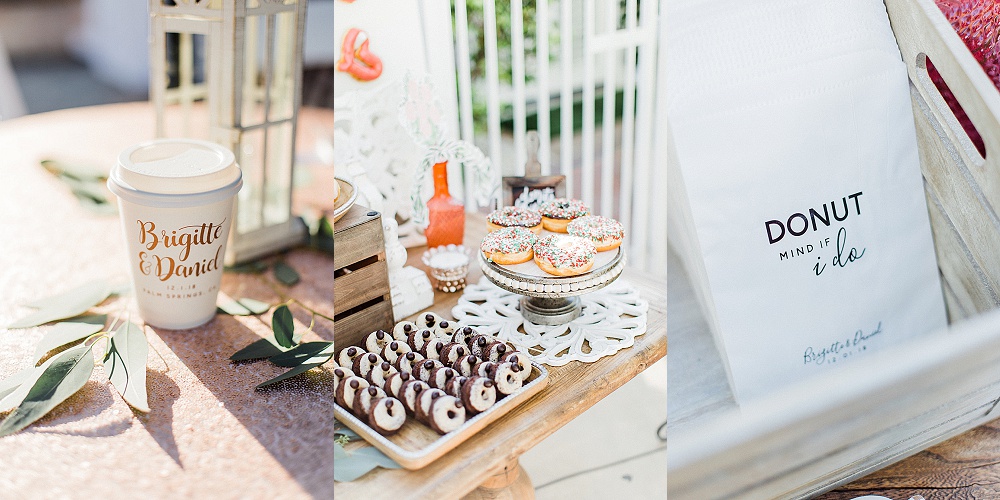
[250, 79]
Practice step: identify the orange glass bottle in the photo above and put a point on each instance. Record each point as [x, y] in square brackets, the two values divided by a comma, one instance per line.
[446, 215]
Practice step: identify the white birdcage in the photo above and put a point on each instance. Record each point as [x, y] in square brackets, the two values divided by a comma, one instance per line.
[231, 71]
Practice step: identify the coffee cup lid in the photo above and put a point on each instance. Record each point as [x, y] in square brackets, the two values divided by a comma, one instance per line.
[161, 171]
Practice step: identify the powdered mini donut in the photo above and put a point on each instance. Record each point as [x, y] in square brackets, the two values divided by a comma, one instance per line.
[424, 403]
[478, 394]
[479, 346]
[604, 232]
[515, 217]
[347, 389]
[376, 340]
[447, 413]
[465, 364]
[380, 373]
[557, 213]
[346, 357]
[401, 331]
[507, 246]
[363, 364]
[408, 361]
[463, 335]
[410, 392]
[394, 350]
[363, 400]
[386, 416]
[564, 255]
[520, 359]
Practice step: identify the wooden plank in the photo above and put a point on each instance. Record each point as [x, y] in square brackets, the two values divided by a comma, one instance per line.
[352, 329]
[357, 236]
[360, 286]
[571, 390]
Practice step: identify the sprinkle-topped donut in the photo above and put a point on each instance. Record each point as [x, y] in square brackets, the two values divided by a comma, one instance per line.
[515, 217]
[510, 245]
[606, 233]
[563, 208]
[559, 212]
[564, 255]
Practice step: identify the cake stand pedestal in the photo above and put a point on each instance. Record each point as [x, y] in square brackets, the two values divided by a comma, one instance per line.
[552, 300]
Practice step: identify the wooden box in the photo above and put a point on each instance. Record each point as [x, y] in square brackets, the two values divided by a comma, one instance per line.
[361, 301]
[844, 424]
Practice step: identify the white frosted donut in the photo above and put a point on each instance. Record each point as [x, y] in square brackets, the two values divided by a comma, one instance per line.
[604, 232]
[376, 340]
[346, 356]
[424, 403]
[446, 414]
[363, 400]
[401, 331]
[380, 373]
[514, 217]
[407, 362]
[410, 392]
[564, 255]
[387, 416]
[395, 382]
[506, 377]
[557, 213]
[465, 364]
[478, 394]
[507, 246]
[393, 350]
[522, 361]
[347, 389]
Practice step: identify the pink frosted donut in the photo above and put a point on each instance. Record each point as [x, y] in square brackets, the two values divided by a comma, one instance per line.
[515, 217]
[564, 255]
[557, 213]
[606, 233]
[510, 245]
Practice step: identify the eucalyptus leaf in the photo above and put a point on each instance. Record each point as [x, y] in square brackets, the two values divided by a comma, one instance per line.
[76, 171]
[255, 306]
[14, 398]
[233, 308]
[66, 332]
[65, 305]
[87, 189]
[97, 207]
[262, 348]
[285, 274]
[125, 365]
[300, 354]
[58, 382]
[255, 267]
[290, 373]
[10, 384]
[283, 325]
[350, 466]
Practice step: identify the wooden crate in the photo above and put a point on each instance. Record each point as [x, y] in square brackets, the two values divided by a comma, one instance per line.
[847, 423]
[361, 301]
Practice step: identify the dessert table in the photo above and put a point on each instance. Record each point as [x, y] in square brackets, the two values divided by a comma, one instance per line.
[486, 465]
[209, 434]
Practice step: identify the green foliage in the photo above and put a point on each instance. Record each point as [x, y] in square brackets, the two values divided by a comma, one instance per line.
[57, 382]
[283, 350]
[65, 305]
[125, 365]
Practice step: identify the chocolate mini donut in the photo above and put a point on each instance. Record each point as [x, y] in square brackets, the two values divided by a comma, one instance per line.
[521, 360]
[347, 389]
[432, 348]
[464, 335]
[380, 373]
[386, 416]
[440, 376]
[395, 382]
[445, 329]
[339, 374]
[478, 394]
[394, 349]
[451, 352]
[408, 361]
[363, 365]
[506, 377]
[454, 386]
[479, 345]
[346, 357]
[424, 369]
[495, 351]
[483, 369]
[446, 414]
[410, 392]
[418, 338]
[376, 340]
[424, 403]
[429, 320]
[465, 365]
[401, 331]
[363, 400]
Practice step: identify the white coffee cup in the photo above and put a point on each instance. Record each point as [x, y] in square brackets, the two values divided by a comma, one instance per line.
[175, 197]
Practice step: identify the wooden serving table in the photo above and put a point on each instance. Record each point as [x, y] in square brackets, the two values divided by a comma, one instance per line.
[486, 466]
[209, 434]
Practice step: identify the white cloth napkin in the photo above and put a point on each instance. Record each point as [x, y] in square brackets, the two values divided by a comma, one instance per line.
[778, 107]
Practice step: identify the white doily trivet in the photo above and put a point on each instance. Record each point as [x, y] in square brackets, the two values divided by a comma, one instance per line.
[612, 318]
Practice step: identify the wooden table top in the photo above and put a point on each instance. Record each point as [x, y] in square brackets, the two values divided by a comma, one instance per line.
[571, 390]
[209, 434]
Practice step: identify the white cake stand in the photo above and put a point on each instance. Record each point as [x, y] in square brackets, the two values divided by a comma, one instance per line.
[552, 300]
